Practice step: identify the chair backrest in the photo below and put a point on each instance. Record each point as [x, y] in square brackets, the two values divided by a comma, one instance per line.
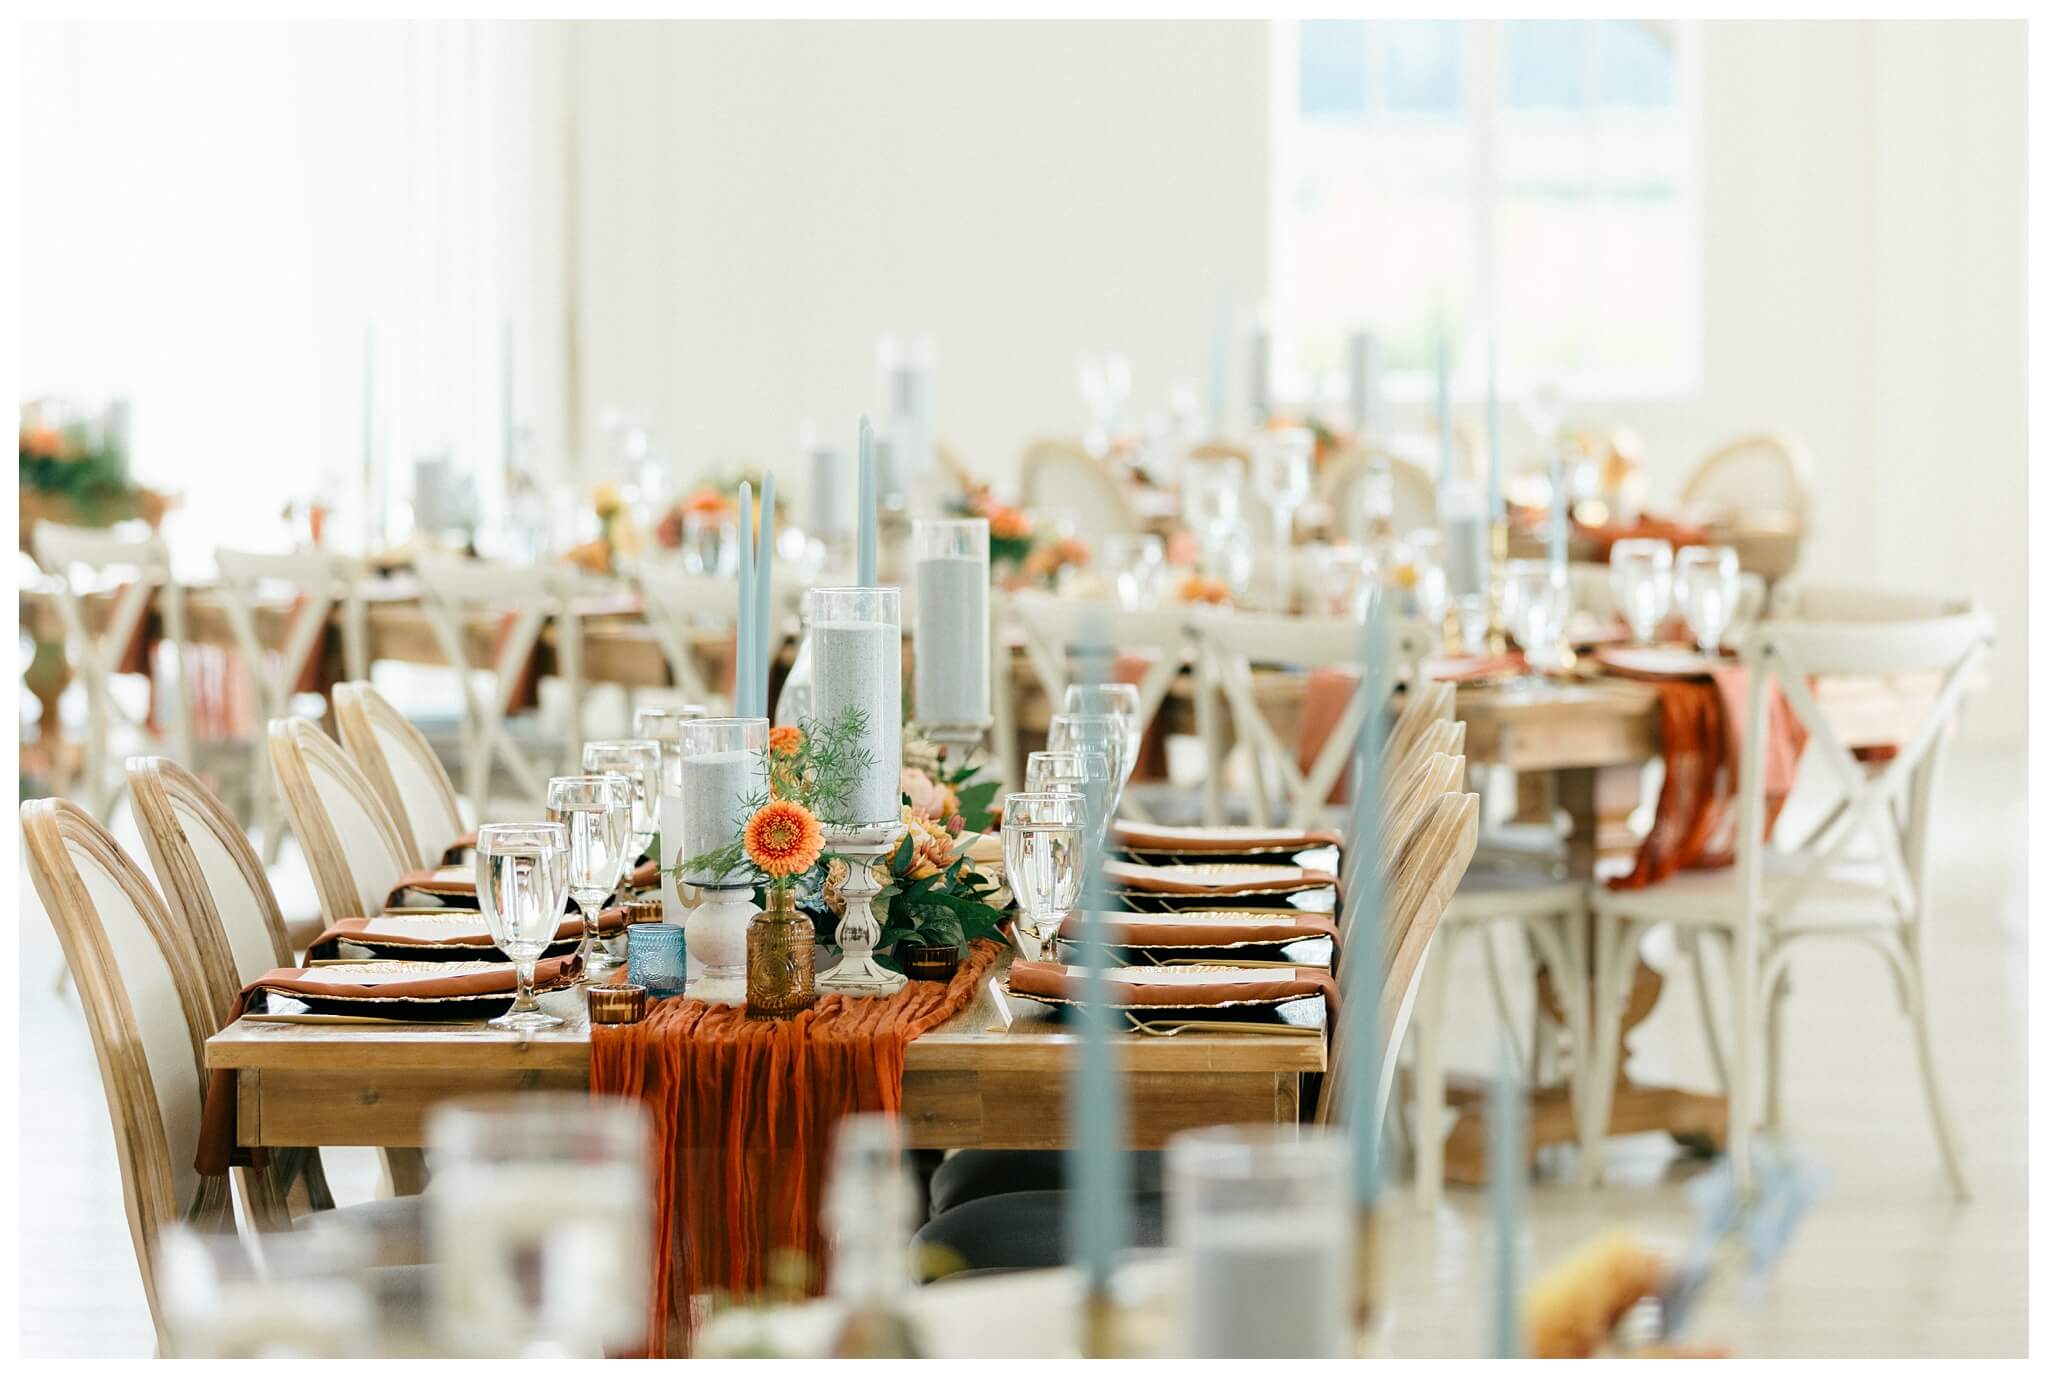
[353, 848]
[681, 607]
[1428, 702]
[1059, 476]
[1766, 473]
[323, 582]
[1418, 890]
[1232, 643]
[1885, 802]
[212, 879]
[1340, 484]
[402, 767]
[1053, 628]
[147, 1009]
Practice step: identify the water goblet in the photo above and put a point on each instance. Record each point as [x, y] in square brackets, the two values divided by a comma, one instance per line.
[1051, 772]
[1281, 465]
[639, 761]
[1534, 603]
[1120, 700]
[1708, 581]
[1099, 740]
[1137, 566]
[522, 884]
[1640, 573]
[597, 811]
[710, 542]
[1042, 841]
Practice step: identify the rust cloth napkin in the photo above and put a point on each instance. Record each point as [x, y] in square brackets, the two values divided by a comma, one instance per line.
[1176, 987]
[1206, 928]
[1329, 693]
[744, 1112]
[1701, 719]
[1602, 538]
[1226, 879]
[218, 1150]
[1226, 839]
[451, 928]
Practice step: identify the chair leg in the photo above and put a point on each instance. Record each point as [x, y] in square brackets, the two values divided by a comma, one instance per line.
[1502, 1010]
[1614, 965]
[1695, 949]
[1747, 1019]
[1930, 1081]
[405, 1171]
[1425, 1032]
[1774, 1049]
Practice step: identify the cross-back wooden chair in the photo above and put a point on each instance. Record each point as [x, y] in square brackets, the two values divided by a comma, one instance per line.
[320, 584]
[1767, 472]
[1230, 645]
[526, 600]
[354, 849]
[1053, 630]
[680, 607]
[145, 1005]
[1773, 898]
[83, 560]
[1431, 701]
[1340, 483]
[402, 767]
[220, 897]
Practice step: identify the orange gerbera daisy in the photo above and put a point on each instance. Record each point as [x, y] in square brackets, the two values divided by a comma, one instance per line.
[784, 839]
[785, 741]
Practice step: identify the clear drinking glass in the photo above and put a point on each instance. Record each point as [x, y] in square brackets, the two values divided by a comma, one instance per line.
[1117, 700]
[639, 760]
[1209, 492]
[1425, 552]
[1137, 567]
[1640, 573]
[537, 1225]
[522, 886]
[1282, 464]
[949, 563]
[1042, 858]
[711, 542]
[1534, 604]
[304, 1299]
[1708, 581]
[665, 727]
[1052, 772]
[1260, 1217]
[1098, 740]
[597, 811]
[725, 766]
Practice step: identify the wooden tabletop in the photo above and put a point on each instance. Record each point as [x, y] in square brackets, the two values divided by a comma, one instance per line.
[993, 1076]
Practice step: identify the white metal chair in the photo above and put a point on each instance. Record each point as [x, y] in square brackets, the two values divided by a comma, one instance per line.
[1053, 628]
[680, 608]
[85, 560]
[526, 600]
[1229, 645]
[355, 851]
[404, 770]
[320, 583]
[1058, 476]
[146, 1007]
[1774, 897]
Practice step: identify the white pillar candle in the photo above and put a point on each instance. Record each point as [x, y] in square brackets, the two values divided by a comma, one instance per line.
[950, 569]
[857, 662]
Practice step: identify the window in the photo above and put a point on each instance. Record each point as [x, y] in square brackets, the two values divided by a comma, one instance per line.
[1435, 175]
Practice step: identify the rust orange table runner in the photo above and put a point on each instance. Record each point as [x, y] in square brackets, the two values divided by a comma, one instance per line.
[743, 1114]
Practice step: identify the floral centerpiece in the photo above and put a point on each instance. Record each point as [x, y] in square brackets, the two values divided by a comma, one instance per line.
[934, 892]
[74, 469]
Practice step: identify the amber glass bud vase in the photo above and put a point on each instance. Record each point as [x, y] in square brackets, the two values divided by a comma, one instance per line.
[782, 972]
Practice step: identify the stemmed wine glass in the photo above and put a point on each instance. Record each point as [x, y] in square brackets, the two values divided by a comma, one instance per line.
[1137, 565]
[1042, 841]
[1119, 700]
[1708, 582]
[1640, 572]
[639, 761]
[1281, 463]
[1534, 602]
[597, 812]
[1098, 739]
[522, 884]
[1052, 772]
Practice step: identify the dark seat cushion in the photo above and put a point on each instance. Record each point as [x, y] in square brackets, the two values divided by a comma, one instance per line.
[1019, 1229]
[977, 1172]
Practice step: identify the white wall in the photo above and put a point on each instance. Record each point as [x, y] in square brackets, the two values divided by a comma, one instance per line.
[760, 202]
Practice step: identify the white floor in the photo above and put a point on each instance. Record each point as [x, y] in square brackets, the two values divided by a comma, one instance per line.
[1885, 1264]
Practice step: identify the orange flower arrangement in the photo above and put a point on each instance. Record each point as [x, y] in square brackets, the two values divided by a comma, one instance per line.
[784, 839]
[786, 740]
[707, 500]
[1198, 588]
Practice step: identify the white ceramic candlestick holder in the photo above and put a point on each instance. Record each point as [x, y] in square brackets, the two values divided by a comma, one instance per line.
[858, 973]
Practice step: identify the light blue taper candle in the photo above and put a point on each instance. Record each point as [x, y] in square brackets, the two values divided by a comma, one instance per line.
[1496, 508]
[1358, 965]
[744, 648]
[1505, 1187]
[1099, 1205]
[864, 548]
[765, 639]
